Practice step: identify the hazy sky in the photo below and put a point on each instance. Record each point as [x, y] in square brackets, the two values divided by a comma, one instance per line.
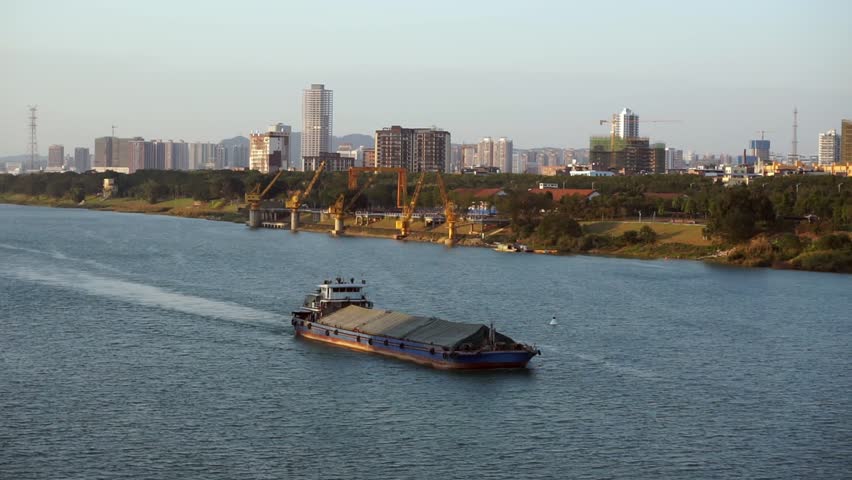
[541, 73]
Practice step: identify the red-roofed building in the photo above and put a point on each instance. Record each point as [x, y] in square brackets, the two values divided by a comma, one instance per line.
[559, 193]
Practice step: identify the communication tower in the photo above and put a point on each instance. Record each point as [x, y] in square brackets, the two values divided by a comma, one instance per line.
[794, 156]
[33, 139]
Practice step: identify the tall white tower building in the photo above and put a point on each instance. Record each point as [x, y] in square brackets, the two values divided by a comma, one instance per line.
[485, 152]
[317, 121]
[829, 147]
[503, 155]
[626, 124]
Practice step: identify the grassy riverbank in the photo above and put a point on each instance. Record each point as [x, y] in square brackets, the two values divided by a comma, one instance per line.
[826, 253]
[180, 207]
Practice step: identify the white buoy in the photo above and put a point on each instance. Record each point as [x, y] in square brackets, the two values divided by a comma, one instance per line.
[553, 321]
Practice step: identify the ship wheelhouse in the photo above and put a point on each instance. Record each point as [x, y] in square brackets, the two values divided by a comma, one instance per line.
[331, 296]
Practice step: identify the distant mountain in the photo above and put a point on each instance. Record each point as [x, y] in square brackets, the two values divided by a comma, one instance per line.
[354, 139]
[21, 158]
[238, 140]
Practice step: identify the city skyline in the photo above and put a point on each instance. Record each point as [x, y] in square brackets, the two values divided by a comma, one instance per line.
[536, 86]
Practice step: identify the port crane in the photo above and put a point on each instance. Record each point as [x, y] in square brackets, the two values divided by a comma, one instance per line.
[404, 223]
[401, 180]
[338, 209]
[449, 209]
[295, 201]
[255, 196]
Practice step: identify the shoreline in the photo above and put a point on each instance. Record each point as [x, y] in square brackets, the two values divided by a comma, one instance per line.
[711, 254]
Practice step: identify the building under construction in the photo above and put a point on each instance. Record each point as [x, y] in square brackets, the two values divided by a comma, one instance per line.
[628, 156]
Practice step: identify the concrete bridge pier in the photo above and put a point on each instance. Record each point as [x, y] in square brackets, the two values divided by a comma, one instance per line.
[254, 218]
[294, 220]
[338, 226]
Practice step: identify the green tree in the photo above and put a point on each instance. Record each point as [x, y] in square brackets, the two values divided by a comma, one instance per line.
[556, 226]
[738, 214]
[647, 234]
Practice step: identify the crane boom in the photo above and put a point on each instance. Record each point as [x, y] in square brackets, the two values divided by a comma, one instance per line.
[339, 209]
[254, 197]
[295, 202]
[408, 210]
[449, 209]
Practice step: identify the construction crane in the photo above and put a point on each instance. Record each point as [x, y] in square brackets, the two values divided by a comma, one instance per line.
[763, 133]
[449, 209]
[404, 223]
[255, 196]
[295, 201]
[401, 180]
[338, 209]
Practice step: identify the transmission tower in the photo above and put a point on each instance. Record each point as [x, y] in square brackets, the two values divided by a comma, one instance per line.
[33, 138]
[795, 156]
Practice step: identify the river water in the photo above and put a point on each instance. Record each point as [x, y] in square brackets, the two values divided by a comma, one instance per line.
[155, 347]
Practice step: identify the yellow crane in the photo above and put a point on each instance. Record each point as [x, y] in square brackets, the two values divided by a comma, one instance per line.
[449, 209]
[255, 196]
[404, 223]
[295, 201]
[338, 209]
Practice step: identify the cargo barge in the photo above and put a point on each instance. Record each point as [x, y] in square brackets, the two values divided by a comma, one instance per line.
[339, 313]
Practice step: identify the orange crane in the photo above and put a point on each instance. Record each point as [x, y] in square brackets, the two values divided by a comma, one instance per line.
[404, 223]
[295, 201]
[338, 209]
[401, 180]
[449, 209]
[254, 197]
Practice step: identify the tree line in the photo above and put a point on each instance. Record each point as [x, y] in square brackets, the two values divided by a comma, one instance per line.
[733, 214]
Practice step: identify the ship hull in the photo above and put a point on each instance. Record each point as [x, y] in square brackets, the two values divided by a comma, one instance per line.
[424, 354]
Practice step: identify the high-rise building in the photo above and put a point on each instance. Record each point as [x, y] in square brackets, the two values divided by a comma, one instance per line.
[270, 151]
[432, 150]
[629, 156]
[626, 124]
[417, 149]
[357, 154]
[81, 160]
[674, 159]
[846, 142]
[160, 155]
[221, 157]
[56, 156]
[503, 155]
[103, 152]
[194, 155]
[112, 153]
[759, 149]
[485, 152]
[141, 155]
[468, 154]
[829, 147]
[238, 156]
[334, 162]
[369, 157]
[317, 120]
[175, 155]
